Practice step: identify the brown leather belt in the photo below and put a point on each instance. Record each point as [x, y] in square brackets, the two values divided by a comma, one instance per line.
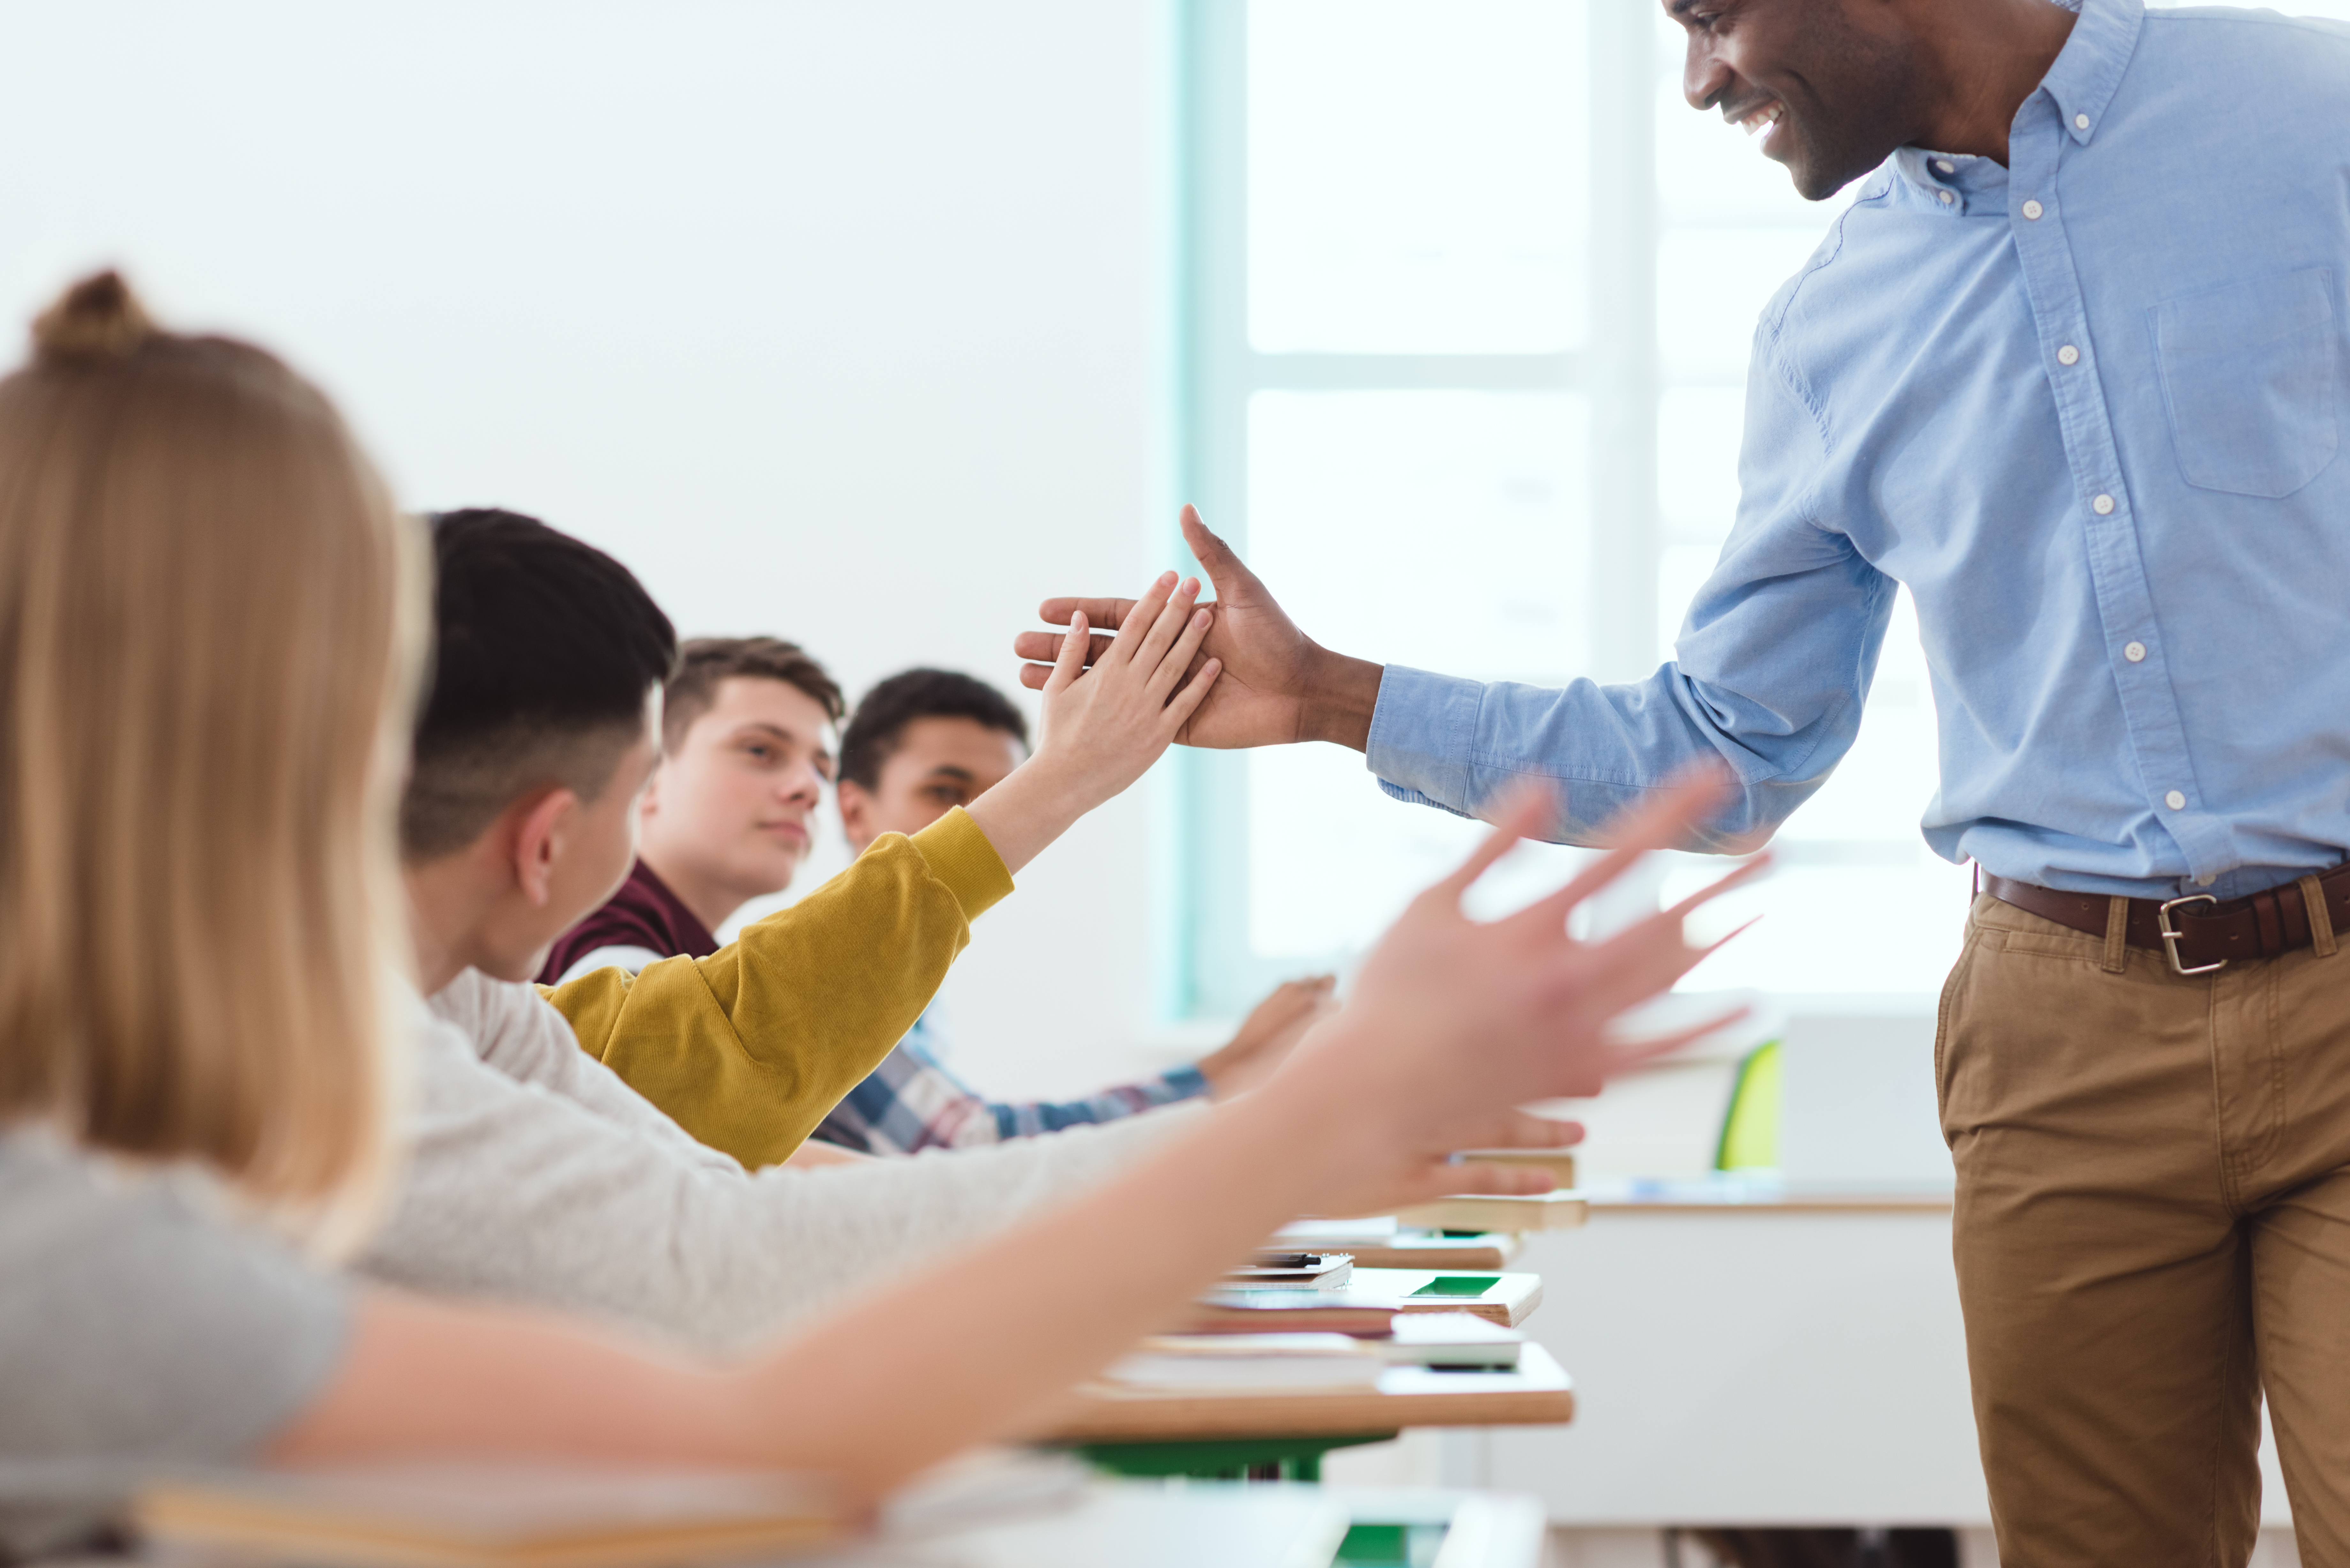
[2198, 933]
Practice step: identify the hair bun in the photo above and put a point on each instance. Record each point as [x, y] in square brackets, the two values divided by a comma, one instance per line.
[96, 318]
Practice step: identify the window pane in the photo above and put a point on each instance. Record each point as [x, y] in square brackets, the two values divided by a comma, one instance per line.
[1416, 176]
[1443, 530]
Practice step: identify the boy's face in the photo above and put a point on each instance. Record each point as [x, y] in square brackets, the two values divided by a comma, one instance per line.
[940, 763]
[732, 807]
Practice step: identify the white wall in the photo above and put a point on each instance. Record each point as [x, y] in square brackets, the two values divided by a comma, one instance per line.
[838, 321]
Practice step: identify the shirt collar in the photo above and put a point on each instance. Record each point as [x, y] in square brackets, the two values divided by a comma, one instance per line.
[2088, 69]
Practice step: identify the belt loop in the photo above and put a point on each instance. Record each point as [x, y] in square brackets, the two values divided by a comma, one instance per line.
[2116, 935]
[2321, 919]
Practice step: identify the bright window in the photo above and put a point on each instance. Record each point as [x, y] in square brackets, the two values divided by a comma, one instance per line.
[1471, 291]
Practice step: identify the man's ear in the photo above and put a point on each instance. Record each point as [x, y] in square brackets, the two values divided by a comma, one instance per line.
[538, 843]
[856, 811]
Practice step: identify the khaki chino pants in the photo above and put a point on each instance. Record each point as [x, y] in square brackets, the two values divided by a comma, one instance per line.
[2153, 1226]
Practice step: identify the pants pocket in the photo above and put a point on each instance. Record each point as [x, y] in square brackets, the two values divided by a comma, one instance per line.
[1951, 988]
[2250, 374]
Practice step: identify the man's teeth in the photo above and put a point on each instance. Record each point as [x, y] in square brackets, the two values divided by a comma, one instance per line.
[1764, 117]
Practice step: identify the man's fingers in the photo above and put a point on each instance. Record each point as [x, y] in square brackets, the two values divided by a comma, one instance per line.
[1035, 676]
[1111, 612]
[1224, 569]
[1044, 647]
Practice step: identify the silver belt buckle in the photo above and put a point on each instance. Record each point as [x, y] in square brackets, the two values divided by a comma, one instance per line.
[2171, 934]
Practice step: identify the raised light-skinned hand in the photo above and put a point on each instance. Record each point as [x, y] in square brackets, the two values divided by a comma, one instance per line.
[1264, 1040]
[1278, 685]
[1104, 726]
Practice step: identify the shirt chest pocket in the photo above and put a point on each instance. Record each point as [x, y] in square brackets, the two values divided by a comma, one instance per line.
[2250, 374]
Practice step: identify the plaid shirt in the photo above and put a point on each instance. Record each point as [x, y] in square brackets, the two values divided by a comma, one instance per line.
[911, 1102]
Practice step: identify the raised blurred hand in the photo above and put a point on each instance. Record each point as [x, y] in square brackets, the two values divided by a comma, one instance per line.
[1452, 1021]
[1264, 1040]
[1278, 685]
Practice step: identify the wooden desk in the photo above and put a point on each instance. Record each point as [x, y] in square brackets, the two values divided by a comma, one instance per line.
[1536, 1392]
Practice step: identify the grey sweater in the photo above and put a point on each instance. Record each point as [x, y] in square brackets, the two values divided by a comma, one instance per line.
[534, 1176]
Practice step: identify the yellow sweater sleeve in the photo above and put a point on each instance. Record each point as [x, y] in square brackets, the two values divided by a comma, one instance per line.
[749, 1048]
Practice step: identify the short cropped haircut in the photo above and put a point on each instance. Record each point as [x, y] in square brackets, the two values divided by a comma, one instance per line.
[544, 651]
[882, 716]
[706, 661]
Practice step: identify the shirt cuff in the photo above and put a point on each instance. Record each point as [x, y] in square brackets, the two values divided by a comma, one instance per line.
[1184, 1083]
[959, 855]
[1423, 735]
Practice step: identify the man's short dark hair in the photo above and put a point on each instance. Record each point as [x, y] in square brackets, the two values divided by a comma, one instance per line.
[881, 717]
[543, 651]
[705, 661]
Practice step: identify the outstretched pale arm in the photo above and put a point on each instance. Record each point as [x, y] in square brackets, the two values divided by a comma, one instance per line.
[1454, 1024]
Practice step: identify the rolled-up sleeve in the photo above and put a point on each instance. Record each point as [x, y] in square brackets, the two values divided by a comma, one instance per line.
[1770, 671]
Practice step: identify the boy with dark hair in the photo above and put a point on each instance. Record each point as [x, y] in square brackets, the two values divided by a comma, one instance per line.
[746, 750]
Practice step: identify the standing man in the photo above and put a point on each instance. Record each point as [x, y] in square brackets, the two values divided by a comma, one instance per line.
[2073, 366]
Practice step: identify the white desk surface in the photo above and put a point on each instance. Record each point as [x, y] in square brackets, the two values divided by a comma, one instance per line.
[1142, 1524]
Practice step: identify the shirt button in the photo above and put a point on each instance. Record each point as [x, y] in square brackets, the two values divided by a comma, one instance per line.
[2032, 210]
[2080, 122]
[2135, 653]
[1944, 166]
[1947, 197]
[2174, 801]
[2068, 354]
[2103, 506]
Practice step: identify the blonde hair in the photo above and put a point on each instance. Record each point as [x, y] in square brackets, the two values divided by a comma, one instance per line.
[206, 655]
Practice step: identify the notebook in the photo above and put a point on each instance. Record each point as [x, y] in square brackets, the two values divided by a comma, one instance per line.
[1250, 1363]
[1456, 1339]
[1294, 1271]
[487, 1516]
[1284, 1312]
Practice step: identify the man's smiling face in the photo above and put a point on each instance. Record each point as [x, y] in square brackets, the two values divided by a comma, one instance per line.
[1831, 85]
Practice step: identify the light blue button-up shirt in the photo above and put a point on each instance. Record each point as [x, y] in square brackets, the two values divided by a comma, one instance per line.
[2090, 409]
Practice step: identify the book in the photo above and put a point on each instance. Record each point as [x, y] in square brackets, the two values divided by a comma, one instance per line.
[1381, 1243]
[1454, 1339]
[1333, 1235]
[1285, 1312]
[487, 1516]
[1249, 1363]
[1275, 1268]
[1559, 1162]
[1560, 1210]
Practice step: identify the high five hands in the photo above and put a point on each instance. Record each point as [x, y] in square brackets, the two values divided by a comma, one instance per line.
[1277, 684]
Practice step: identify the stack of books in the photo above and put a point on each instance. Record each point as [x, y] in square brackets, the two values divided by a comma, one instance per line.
[1294, 1361]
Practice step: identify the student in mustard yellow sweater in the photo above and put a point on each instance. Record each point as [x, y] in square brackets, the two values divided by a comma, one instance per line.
[541, 730]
